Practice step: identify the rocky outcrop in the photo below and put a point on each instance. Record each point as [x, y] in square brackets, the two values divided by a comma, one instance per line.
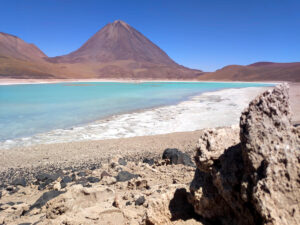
[254, 177]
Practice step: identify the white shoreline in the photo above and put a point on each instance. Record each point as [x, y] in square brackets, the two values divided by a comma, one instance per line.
[54, 81]
[208, 110]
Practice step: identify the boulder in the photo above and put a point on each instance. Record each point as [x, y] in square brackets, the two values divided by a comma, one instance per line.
[177, 157]
[252, 176]
[125, 176]
[20, 181]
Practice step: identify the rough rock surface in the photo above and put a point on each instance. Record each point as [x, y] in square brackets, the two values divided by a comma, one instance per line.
[254, 180]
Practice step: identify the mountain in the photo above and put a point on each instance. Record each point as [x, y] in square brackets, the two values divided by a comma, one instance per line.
[14, 47]
[115, 51]
[117, 41]
[260, 71]
[120, 51]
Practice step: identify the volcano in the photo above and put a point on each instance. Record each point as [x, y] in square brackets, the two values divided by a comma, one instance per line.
[117, 41]
[120, 51]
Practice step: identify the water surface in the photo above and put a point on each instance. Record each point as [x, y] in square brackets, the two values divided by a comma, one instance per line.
[29, 109]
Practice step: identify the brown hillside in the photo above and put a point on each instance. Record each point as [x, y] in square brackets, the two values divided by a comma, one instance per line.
[12, 46]
[116, 51]
[260, 71]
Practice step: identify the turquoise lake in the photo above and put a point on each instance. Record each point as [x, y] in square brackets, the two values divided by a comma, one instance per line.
[29, 109]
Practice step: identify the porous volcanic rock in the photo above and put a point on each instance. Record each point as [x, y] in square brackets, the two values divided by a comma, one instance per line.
[254, 180]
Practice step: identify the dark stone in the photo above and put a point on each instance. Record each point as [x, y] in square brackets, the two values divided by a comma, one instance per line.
[66, 179]
[93, 167]
[10, 203]
[9, 188]
[24, 223]
[128, 203]
[73, 177]
[148, 161]
[140, 201]
[63, 184]
[125, 176]
[122, 161]
[177, 157]
[44, 179]
[81, 174]
[93, 179]
[0, 194]
[19, 181]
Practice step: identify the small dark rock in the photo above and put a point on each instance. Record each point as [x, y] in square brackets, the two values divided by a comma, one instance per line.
[122, 161]
[148, 161]
[19, 181]
[81, 174]
[140, 201]
[93, 167]
[44, 179]
[125, 176]
[73, 177]
[177, 157]
[24, 223]
[66, 179]
[63, 184]
[128, 203]
[93, 179]
[113, 165]
[0, 194]
[10, 203]
[9, 188]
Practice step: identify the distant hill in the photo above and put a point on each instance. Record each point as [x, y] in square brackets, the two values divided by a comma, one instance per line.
[116, 51]
[260, 71]
[14, 47]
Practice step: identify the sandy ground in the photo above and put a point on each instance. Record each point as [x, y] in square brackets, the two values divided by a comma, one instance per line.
[8, 81]
[69, 154]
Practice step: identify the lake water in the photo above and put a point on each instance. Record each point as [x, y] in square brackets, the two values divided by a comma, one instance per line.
[30, 109]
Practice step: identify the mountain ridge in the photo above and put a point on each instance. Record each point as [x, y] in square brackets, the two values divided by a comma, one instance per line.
[259, 71]
[116, 51]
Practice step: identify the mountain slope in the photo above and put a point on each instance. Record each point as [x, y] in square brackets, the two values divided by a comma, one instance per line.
[115, 51]
[14, 47]
[117, 41]
[260, 71]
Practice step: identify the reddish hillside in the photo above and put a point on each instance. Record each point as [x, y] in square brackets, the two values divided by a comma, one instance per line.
[260, 71]
[116, 51]
[117, 41]
[12, 46]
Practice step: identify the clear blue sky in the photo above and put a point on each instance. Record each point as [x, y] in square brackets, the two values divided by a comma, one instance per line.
[199, 34]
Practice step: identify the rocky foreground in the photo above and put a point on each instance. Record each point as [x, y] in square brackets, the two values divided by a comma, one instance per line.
[242, 175]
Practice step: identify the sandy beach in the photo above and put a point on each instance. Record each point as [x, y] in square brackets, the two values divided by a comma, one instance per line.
[11, 81]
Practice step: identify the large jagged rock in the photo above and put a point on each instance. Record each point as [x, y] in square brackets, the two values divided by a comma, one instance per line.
[271, 152]
[255, 180]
